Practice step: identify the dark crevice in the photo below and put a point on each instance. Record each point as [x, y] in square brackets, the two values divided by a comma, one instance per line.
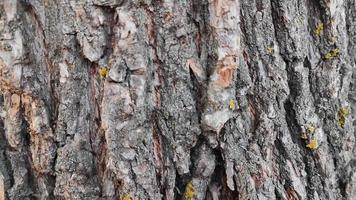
[278, 195]
[156, 136]
[282, 152]
[294, 128]
[314, 170]
[110, 24]
[294, 131]
[8, 170]
[199, 94]
[4, 147]
[100, 160]
[343, 187]
[279, 26]
[182, 180]
[52, 176]
[312, 88]
[97, 141]
[219, 177]
[180, 184]
[292, 123]
[200, 15]
[27, 155]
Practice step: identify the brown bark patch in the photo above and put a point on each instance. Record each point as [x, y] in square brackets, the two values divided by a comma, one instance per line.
[291, 194]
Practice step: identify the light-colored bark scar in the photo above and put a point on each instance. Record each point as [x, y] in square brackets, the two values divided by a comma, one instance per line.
[218, 7]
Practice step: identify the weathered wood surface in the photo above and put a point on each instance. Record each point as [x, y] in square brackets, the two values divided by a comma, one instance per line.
[177, 99]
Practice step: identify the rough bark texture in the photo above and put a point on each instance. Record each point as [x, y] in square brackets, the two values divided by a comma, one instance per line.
[177, 99]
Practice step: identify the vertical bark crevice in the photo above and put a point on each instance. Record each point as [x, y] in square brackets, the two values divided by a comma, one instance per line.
[213, 99]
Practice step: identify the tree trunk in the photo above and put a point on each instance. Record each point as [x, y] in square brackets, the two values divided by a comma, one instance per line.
[177, 99]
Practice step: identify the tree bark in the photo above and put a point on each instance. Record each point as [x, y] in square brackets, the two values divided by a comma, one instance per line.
[177, 99]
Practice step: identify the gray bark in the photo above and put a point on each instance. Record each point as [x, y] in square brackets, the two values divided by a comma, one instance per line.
[177, 99]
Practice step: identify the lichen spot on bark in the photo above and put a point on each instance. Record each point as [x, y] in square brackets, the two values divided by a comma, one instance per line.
[232, 104]
[127, 197]
[102, 71]
[319, 28]
[189, 192]
[332, 54]
[313, 144]
[341, 116]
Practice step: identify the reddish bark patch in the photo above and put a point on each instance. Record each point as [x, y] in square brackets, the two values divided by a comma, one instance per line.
[225, 71]
[218, 7]
[291, 194]
[225, 77]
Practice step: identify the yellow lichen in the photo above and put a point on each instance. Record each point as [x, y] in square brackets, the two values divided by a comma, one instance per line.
[127, 197]
[332, 53]
[232, 104]
[341, 116]
[270, 50]
[311, 129]
[313, 144]
[344, 110]
[319, 28]
[102, 71]
[189, 192]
